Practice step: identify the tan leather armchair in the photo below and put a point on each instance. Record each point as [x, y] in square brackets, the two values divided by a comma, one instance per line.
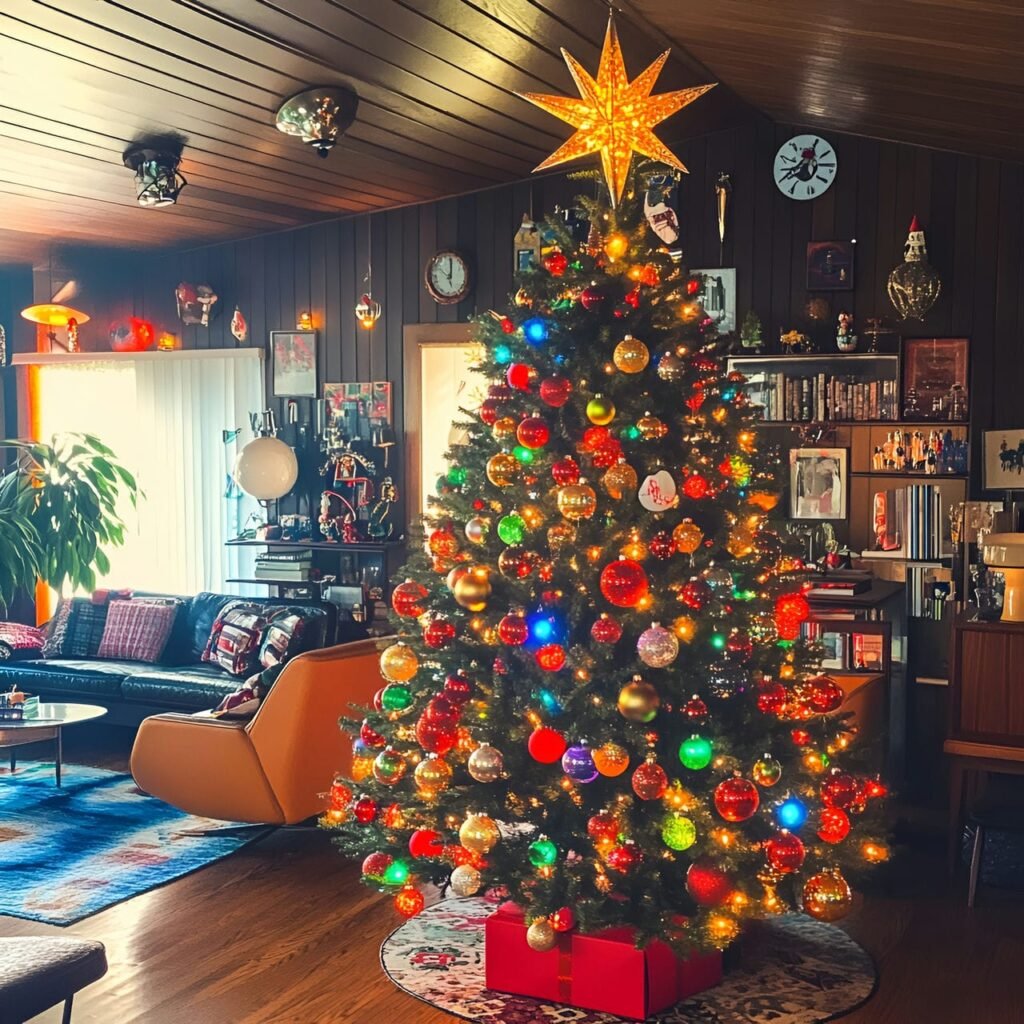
[274, 768]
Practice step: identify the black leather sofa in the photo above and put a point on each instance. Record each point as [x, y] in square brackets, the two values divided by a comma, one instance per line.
[181, 681]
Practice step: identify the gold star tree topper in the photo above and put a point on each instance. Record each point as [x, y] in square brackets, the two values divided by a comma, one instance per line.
[614, 116]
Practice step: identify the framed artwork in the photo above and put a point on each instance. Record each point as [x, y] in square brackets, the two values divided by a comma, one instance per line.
[1004, 460]
[293, 363]
[817, 483]
[830, 266]
[935, 379]
[719, 298]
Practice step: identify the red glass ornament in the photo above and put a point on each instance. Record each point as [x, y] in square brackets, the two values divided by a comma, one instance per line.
[825, 696]
[695, 709]
[695, 486]
[801, 737]
[623, 583]
[623, 857]
[375, 865]
[533, 432]
[436, 736]
[595, 438]
[551, 657]
[566, 471]
[512, 630]
[520, 376]
[840, 789]
[771, 697]
[563, 920]
[443, 544]
[499, 392]
[393, 817]
[606, 630]
[708, 884]
[556, 263]
[407, 599]
[458, 687]
[632, 298]
[791, 607]
[833, 825]
[364, 810]
[650, 781]
[443, 709]
[739, 647]
[607, 455]
[649, 276]
[693, 286]
[873, 789]
[736, 799]
[507, 325]
[370, 736]
[516, 563]
[409, 901]
[340, 795]
[695, 594]
[784, 852]
[603, 827]
[693, 403]
[725, 467]
[378, 700]
[425, 842]
[591, 298]
[438, 633]
[662, 545]
[555, 391]
[546, 745]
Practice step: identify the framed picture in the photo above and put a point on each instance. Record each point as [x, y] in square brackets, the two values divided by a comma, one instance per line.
[1004, 460]
[719, 299]
[935, 379]
[817, 483]
[830, 266]
[293, 363]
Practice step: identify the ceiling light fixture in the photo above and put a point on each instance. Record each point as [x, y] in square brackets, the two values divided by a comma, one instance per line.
[158, 181]
[319, 116]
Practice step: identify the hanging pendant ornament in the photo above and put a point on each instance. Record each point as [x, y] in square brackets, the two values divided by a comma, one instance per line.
[658, 492]
[367, 308]
[723, 190]
[239, 328]
[914, 285]
[613, 116]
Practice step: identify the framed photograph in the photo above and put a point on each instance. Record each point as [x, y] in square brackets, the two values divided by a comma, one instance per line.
[833, 650]
[1004, 460]
[830, 266]
[935, 379]
[719, 298]
[293, 363]
[817, 483]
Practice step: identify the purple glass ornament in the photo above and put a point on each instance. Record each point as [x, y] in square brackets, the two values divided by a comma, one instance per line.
[578, 763]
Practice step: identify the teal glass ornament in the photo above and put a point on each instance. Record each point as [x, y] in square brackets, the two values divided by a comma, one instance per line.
[502, 355]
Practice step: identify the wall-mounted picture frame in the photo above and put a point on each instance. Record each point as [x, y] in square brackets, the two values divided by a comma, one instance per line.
[1003, 468]
[830, 266]
[935, 384]
[719, 298]
[293, 364]
[818, 483]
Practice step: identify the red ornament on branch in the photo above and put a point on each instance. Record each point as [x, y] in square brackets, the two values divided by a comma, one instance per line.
[624, 583]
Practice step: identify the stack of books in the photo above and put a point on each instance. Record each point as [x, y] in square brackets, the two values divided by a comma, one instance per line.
[839, 583]
[284, 565]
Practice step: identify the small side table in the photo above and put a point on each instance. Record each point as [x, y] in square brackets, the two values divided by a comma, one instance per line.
[47, 725]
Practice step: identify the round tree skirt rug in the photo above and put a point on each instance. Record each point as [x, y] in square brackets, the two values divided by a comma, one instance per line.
[792, 970]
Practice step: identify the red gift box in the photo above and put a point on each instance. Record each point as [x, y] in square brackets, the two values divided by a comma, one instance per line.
[603, 971]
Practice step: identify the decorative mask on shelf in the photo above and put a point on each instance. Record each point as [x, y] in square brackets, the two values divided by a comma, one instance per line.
[194, 303]
[914, 285]
[132, 335]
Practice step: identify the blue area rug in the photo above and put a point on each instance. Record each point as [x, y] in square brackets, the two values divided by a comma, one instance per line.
[71, 852]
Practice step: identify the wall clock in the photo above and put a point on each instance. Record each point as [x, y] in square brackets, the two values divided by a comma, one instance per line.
[447, 277]
[805, 167]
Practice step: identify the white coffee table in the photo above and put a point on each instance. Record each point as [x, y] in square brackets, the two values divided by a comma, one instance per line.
[47, 725]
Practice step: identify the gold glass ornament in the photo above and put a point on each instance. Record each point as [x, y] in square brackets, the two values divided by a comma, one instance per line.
[486, 763]
[670, 367]
[532, 515]
[687, 536]
[651, 428]
[472, 589]
[638, 700]
[479, 833]
[610, 759]
[600, 410]
[466, 880]
[722, 930]
[614, 117]
[827, 895]
[502, 469]
[504, 428]
[766, 771]
[540, 936]
[634, 548]
[631, 355]
[914, 285]
[432, 776]
[685, 628]
[577, 501]
[398, 663]
[616, 246]
[560, 535]
[740, 543]
[620, 480]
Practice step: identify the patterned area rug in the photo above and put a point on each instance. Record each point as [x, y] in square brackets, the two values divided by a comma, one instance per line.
[70, 852]
[793, 970]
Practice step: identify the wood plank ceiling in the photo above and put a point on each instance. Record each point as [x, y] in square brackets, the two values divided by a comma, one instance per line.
[81, 79]
[942, 73]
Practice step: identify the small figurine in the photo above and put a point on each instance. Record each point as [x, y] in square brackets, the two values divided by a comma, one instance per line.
[239, 328]
[877, 458]
[846, 340]
[750, 332]
[795, 341]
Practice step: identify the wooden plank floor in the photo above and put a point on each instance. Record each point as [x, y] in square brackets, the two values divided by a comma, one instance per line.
[283, 932]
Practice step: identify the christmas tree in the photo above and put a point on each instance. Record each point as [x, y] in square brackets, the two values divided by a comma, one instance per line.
[599, 702]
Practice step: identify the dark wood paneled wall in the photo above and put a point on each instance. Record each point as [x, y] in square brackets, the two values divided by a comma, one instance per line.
[972, 210]
[15, 295]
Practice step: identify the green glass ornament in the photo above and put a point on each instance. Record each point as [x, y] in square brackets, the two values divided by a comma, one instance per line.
[523, 454]
[396, 697]
[397, 873]
[512, 529]
[630, 433]
[543, 853]
[695, 753]
[456, 475]
[677, 832]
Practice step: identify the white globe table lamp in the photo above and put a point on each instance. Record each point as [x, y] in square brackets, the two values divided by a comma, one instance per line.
[266, 468]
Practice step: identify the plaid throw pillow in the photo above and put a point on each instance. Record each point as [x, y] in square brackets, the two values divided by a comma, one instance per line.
[283, 636]
[58, 629]
[88, 620]
[234, 642]
[137, 630]
[18, 642]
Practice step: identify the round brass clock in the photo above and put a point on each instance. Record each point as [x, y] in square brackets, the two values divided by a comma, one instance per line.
[447, 277]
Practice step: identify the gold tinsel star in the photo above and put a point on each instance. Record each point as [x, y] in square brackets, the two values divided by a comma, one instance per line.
[614, 116]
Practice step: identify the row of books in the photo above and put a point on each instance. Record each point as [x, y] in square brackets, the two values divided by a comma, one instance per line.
[908, 522]
[928, 589]
[284, 565]
[822, 397]
[847, 651]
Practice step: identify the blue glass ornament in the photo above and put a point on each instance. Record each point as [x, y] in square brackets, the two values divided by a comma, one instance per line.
[535, 330]
[791, 813]
[546, 627]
